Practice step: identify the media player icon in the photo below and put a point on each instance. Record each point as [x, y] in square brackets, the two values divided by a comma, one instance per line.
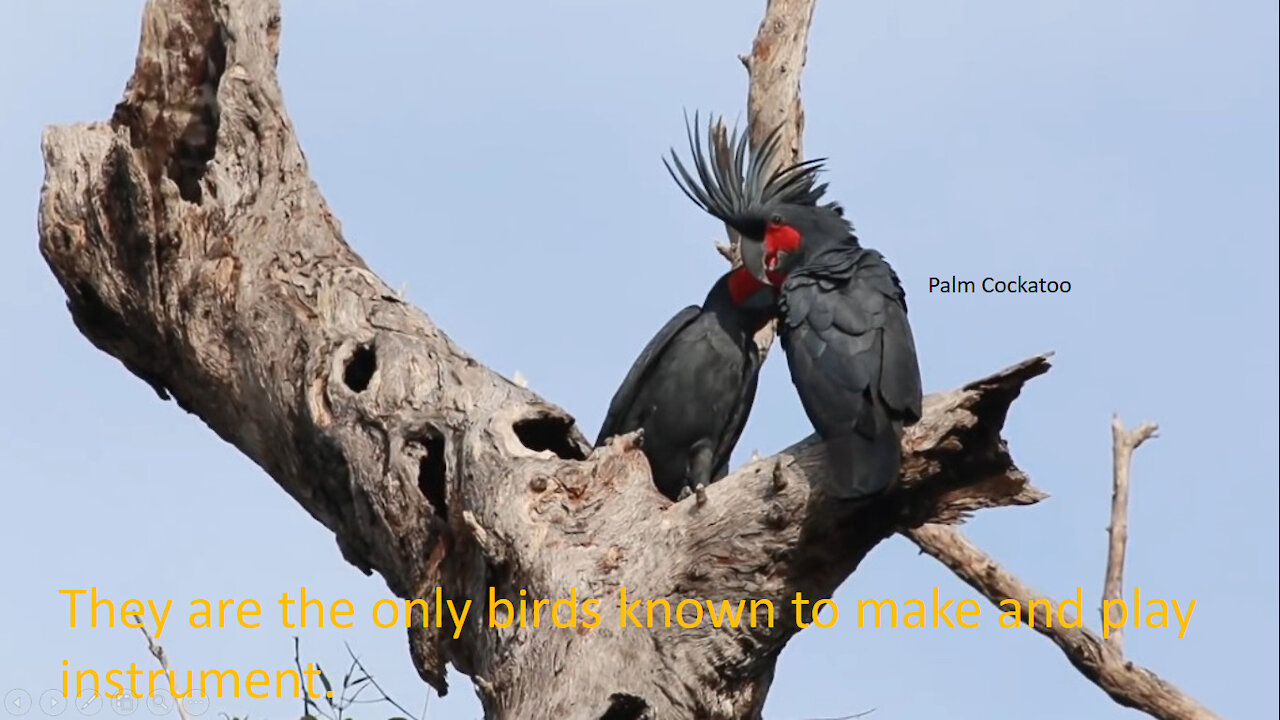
[17, 702]
[160, 703]
[124, 705]
[88, 705]
[52, 702]
[196, 705]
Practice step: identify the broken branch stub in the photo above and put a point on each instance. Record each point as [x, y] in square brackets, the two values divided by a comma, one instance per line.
[1124, 442]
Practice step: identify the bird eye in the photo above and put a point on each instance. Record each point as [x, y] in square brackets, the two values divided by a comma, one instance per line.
[776, 219]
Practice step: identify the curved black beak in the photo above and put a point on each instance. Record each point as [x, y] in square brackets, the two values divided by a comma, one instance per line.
[752, 252]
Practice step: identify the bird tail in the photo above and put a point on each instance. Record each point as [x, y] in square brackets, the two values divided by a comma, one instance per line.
[863, 466]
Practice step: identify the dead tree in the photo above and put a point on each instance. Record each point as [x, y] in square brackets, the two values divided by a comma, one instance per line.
[194, 247]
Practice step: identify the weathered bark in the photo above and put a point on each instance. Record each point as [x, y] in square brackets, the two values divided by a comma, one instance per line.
[1123, 442]
[194, 247]
[1128, 683]
[774, 67]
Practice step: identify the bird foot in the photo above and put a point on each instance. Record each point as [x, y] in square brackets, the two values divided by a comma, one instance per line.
[700, 490]
[779, 479]
[684, 493]
[633, 440]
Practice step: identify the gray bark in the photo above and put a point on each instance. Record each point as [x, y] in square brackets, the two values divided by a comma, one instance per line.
[194, 247]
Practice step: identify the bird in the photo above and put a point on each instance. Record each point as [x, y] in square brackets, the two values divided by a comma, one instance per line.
[691, 389]
[842, 310]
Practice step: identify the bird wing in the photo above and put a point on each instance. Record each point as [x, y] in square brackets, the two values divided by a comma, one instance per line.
[741, 411]
[849, 345]
[625, 396]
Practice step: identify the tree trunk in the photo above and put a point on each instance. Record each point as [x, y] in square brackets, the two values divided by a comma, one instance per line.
[194, 247]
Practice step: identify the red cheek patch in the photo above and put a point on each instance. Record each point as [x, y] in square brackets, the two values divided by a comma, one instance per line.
[742, 285]
[778, 238]
[781, 238]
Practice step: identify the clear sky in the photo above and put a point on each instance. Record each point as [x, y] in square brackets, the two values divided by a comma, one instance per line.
[502, 160]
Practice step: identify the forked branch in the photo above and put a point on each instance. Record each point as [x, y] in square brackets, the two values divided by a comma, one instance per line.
[1127, 683]
[1123, 443]
[157, 651]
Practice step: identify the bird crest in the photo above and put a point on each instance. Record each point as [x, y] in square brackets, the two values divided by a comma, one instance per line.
[733, 182]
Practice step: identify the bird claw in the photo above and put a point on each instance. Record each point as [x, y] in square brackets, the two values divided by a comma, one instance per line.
[684, 493]
[700, 490]
[632, 440]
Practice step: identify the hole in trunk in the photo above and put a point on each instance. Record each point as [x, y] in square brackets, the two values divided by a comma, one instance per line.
[433, 472]
[626, 707]
[548, 433]
[196, 144]
[361, 366]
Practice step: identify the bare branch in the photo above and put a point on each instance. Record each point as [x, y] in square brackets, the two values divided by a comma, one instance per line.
[720, 139]
[373, 681]
[854, 716]
[775, 65]
[774, 68]
[157, 651]
[728, 251]
[1127, 683]
[1123, 442]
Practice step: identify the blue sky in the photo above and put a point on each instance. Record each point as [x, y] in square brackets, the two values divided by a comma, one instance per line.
[502, 161]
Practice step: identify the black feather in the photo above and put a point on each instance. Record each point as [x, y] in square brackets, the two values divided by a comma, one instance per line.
[691, 390]
[739, 186]
[853, 362]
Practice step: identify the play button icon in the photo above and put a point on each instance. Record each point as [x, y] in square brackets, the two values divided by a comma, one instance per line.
[17, 702]
[52, 702]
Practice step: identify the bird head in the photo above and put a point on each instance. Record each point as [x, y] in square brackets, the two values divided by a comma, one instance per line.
[776, 213]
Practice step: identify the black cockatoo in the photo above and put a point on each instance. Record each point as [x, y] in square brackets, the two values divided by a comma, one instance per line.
[692, 387]
[841, 308]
